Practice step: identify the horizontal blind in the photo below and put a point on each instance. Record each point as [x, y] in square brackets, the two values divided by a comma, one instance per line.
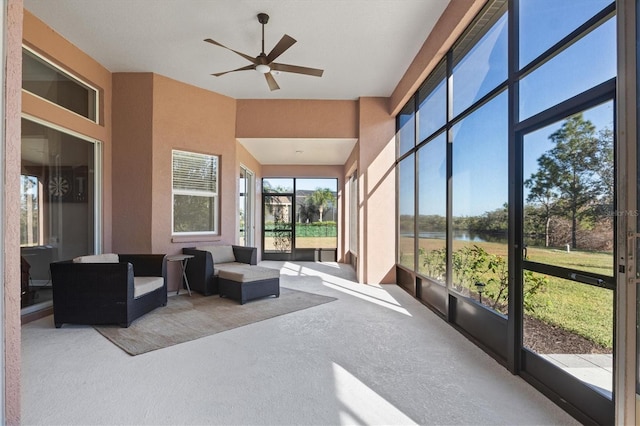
[195, 172]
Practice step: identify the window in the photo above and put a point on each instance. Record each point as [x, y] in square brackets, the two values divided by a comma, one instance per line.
[353, 213]
[47, 81]
[246, 196]
[543, 23]
[479, 203]
[432, 100]
[480, 57]
[570, 72]
[432, 209]
[406, 124]
[195, 193]
[406, 212]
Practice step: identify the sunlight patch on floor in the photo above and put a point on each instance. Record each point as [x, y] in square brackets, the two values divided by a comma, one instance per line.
[371, 293]
[361, 405]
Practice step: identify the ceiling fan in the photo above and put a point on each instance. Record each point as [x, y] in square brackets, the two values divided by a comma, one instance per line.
[263, 63]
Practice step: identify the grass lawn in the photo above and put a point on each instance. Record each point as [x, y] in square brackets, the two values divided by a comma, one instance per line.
[580, 308]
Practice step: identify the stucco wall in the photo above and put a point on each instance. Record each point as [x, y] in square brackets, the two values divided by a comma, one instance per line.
[155, 116]
[191, 119]
[11, 215]
[377, 191]
[132, 162]
[287, 118]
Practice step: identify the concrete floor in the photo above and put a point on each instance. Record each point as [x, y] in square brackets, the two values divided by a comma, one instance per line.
[374, 356]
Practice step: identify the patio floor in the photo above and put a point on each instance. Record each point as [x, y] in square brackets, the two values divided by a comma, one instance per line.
[374, 356]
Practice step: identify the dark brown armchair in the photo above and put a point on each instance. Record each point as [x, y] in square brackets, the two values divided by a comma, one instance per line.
[108, 289]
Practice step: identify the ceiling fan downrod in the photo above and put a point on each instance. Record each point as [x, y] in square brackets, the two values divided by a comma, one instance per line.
[263, 18]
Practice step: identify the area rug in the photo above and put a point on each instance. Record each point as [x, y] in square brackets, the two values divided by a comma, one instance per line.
[188, 318]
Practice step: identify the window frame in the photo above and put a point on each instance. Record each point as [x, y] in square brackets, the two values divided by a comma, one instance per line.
[213, 195]
[71, 76]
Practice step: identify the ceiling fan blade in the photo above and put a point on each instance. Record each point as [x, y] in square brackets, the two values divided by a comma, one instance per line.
[247, 57]
[284, 43]
[248, 67]
[297, 69]
[271, 82]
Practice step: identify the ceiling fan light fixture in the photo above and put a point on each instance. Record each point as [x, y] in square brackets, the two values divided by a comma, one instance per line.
[263, 69]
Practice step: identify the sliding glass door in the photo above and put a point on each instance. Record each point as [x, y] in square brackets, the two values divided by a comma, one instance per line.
[58, 204]
[300, 219]
[567, 282]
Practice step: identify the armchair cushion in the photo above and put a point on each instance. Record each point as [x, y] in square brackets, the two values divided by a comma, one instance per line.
[220, 254]
[97, 258]
[144, 285]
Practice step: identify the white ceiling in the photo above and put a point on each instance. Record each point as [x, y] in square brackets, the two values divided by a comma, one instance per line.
[364, 46]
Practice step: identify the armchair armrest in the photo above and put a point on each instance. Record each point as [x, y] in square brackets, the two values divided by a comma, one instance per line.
[200, 271]
[246, 254]
[146, 265]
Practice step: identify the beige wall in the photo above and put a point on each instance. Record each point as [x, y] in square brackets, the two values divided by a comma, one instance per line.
[132, 162]
[259, 118]
[11, 215]
[192, 119]
[155, 116]
[377, 192]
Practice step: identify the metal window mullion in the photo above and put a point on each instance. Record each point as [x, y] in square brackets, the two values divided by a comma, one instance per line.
[515, 290]
[449, 189]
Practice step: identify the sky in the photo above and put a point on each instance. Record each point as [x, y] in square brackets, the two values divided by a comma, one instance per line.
[480, 179]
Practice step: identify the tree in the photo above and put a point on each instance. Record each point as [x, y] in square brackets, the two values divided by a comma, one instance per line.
[542, 191]
[322, 198]
[568, 178]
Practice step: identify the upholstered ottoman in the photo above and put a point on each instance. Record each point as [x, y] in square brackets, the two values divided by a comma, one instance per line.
[247, 282]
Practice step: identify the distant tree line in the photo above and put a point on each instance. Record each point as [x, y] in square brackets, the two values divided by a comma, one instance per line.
[570, 195]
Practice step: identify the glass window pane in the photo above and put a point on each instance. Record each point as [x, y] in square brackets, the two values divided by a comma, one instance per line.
[543, 23]
[278, 228]
[568, 192]
[571, 72]
[560, 310]
[480, 66]
[406, 123]
[432, 98]
[57, 208]
[432, 208]
[406, 212]
[277, 185]
[193, 213]
[316, 213]
[480, 196]
[42, 79]
[195, 172]
[353, 213]
[30, 189]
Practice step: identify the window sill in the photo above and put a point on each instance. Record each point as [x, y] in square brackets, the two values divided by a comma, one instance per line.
[195, 238]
